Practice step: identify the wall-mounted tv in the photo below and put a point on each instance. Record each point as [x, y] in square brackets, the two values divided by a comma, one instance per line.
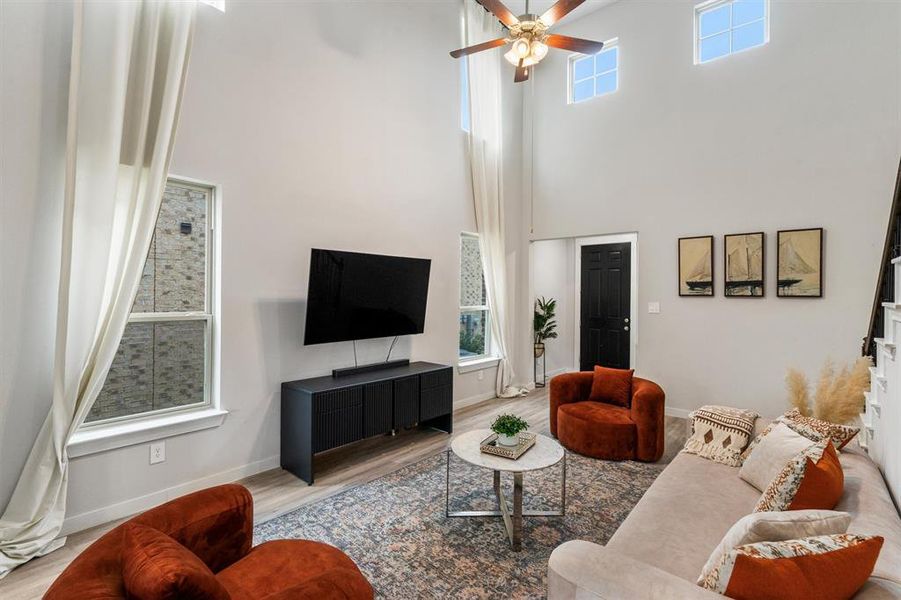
[355, 296]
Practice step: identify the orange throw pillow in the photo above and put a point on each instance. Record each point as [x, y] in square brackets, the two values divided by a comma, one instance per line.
[613, 386]
[156, 567]
[812, 480]
[826, 567]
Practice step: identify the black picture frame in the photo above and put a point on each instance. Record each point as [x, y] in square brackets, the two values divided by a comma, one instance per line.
[756, 287]
[794, 268]
[698, 287]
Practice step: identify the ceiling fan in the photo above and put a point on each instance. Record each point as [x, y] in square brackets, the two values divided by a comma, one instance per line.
[528, 36]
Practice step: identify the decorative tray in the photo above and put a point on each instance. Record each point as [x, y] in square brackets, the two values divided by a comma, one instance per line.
[490, 446]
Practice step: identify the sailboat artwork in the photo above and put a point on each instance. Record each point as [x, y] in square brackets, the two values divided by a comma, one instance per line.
[799, 261]
[696, 266]
[744, 264]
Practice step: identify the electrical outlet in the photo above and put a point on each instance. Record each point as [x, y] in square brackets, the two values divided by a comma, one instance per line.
[157, 452]
[653, 307]
[480, 376]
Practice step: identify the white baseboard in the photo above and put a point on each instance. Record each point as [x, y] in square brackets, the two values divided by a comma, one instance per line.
[133, 506]
[678, 412]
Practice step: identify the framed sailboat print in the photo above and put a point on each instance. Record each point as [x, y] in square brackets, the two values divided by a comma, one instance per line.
[743, 265]
[799, 263]
[696, 266]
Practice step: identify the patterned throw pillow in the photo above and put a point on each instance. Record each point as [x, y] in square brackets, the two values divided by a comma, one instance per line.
[816, 429]
[720, 433]
[812, 480]
[827, 567]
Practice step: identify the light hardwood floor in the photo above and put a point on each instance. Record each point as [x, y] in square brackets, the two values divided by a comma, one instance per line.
[276, 492]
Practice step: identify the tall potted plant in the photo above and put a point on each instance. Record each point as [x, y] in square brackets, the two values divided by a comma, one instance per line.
[543, 323]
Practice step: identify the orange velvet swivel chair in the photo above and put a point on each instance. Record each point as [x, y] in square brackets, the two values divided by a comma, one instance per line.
[632, 430]
[206, 553]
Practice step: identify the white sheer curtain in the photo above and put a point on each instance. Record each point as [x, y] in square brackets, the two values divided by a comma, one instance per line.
[129, 61]
[486, 162]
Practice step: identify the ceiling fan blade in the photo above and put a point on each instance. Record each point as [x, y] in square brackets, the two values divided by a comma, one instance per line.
[478, 47]
[522, 73]
[500, 11]
[559, 10]
[581, 46]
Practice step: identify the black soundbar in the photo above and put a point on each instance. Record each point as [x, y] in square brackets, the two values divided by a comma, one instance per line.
[401, 362]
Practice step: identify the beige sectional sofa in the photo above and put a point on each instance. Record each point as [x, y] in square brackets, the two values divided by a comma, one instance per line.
[659, 550]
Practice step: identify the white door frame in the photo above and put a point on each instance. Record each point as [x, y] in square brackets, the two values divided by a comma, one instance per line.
[614, 238]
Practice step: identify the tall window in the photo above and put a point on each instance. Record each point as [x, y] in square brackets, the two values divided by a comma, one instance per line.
[475, 329]
[724, 27]
[164, 360]
[595, 75]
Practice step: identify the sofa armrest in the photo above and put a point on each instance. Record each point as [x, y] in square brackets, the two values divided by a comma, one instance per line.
[216, 524]
[579, 570]
[649, 416]
[566, 388]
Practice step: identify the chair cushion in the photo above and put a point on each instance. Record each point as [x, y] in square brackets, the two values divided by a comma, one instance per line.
[295, 569]
[156, 567]
[613, 386]
[597, 429]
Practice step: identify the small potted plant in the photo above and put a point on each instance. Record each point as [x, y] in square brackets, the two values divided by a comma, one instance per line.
[544, 325]
[507, 428]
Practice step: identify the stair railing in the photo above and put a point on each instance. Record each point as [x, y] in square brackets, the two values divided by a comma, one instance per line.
[885, 284]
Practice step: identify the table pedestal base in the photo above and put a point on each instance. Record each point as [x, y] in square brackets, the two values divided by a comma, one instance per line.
[512, 519]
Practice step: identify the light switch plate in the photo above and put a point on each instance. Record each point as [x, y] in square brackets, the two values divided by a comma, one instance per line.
[653, 308]
[157, 452]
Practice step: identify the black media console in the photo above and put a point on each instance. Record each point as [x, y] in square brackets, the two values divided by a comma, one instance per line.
[322, 413]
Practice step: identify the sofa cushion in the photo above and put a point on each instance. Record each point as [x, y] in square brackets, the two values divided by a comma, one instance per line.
[597, 429]
[813, 479]
[720, 433]
[776, 527]
[770, 455]
[829, 567]
[684, 515]
[156, 567]
[613, 386]
[295, 569]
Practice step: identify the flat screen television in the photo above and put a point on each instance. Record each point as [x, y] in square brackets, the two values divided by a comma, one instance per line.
[355, 296]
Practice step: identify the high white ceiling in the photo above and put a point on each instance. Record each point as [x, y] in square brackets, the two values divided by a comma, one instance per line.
[539, 6]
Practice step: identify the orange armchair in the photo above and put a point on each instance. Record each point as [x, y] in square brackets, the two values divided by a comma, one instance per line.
[216, 525]
[604, 430]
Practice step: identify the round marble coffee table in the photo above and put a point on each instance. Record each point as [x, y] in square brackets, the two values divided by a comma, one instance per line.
[545, 453]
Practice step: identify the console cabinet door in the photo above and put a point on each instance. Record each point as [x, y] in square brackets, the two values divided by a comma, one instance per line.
[339, 417]
[406, 401]
[378, 408]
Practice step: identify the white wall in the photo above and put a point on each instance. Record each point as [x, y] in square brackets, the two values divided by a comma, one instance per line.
[801, 132]
[553, 276]
[327, 124]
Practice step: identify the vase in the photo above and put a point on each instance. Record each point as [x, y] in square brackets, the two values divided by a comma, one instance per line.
[507, 440]
[539, 350]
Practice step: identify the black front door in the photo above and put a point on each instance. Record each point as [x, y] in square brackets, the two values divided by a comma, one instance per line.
[606, 319]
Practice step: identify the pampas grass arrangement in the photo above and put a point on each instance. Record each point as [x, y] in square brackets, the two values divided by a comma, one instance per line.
[838, 396]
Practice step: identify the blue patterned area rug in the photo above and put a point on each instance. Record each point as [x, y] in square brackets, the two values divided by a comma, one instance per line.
[395, 527]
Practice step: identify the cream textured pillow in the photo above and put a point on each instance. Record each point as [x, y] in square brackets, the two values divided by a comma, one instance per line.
[778, 445]
[720, 433]
[776, 527]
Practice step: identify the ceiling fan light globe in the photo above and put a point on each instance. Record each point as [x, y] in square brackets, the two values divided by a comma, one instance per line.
[521, 48]
[512, 58]
[538, 51]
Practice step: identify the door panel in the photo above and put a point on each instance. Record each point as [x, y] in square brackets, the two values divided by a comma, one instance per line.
[605, 315]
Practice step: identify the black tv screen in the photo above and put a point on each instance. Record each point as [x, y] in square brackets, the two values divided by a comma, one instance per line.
[354, 296]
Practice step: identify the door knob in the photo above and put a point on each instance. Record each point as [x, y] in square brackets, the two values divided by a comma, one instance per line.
[626, 320]
[626, 328]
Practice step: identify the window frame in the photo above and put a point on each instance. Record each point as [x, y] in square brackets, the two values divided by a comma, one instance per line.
[489, 353]
[710, 5]
[571, 72]
[208, 316]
